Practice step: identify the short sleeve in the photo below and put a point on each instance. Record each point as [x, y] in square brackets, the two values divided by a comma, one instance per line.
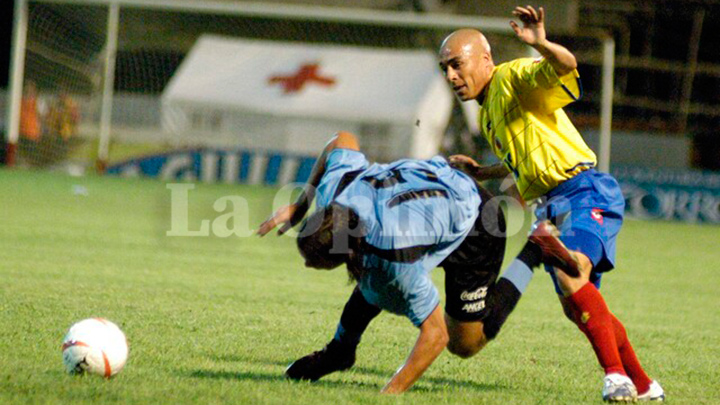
[338, 163]
[541, 88]
[400, 288]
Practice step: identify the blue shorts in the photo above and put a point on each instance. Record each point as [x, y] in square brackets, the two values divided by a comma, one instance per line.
[588, 211]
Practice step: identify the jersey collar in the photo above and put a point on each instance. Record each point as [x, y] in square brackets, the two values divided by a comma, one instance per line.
[481, 97]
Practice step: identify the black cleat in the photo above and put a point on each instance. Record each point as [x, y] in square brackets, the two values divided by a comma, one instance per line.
[333, 357]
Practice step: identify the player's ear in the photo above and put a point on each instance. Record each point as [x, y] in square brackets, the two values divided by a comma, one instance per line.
[486, 57]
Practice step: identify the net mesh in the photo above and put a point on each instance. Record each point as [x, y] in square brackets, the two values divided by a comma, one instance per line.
[65, 60]
[62, 78]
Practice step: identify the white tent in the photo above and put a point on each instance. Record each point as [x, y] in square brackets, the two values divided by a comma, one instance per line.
[291, 97]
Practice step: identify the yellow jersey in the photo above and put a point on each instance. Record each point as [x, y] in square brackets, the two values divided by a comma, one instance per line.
[522, 119]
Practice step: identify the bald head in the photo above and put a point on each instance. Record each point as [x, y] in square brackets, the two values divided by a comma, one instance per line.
[466, 61]
[468, 40]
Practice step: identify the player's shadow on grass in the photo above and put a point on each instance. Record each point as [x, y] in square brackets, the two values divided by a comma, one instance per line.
[254, 376]
[437, 383]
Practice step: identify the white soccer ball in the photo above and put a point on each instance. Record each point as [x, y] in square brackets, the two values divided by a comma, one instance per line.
[95, 346]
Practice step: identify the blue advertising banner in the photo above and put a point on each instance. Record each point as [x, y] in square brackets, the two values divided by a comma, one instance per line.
[684, 195]
[217, 165]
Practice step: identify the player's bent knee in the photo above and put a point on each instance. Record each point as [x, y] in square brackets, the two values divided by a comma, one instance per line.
[465, 350]
[466, 338]
[463, 353]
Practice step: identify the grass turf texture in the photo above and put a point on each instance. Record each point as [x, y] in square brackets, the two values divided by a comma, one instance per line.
[213, 319]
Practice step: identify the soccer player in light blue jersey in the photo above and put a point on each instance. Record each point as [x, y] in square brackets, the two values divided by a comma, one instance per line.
[392, 224]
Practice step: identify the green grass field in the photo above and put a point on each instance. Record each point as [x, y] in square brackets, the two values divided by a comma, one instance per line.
[212, 319]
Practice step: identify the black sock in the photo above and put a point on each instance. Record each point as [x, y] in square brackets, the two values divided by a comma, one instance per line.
[503, 298]
[355, 318]
[531, 255]
[505, 294]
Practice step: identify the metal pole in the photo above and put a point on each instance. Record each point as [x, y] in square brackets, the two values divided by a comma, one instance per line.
[17, 70]
[108, 83]
[692, 63]
[310, 12]
[608, 68]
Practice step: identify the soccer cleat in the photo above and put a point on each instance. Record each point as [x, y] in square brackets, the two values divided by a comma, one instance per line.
[333, 357]
[618, 388]
[654, 393]
[554, 253]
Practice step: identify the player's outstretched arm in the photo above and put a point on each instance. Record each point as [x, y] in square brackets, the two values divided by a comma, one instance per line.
[431, 342]
[470, 167]
[291, 215]
[533, 34]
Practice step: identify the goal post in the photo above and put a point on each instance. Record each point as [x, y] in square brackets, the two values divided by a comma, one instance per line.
[121, 103]
[17, 69]
[53, 63]
[108, 86]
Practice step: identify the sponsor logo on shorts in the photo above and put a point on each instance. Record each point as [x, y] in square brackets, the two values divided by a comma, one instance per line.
[596, 214]
[474, 307]
[478, 294]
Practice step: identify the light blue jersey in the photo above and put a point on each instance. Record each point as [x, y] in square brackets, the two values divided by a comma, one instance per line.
[416, 212]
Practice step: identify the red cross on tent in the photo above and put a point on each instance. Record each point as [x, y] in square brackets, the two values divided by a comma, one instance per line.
[308, 73]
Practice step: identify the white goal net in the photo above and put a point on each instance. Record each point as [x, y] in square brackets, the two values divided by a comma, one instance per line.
[234, 92]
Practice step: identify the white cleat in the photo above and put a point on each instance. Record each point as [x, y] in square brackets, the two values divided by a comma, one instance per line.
[654, 393]
[618, 388]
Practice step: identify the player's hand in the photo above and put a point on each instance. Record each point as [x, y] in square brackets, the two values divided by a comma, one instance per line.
[463, 163]
[287, 216]
[533, 30]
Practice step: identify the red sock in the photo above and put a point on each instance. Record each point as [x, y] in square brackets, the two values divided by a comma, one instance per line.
[629, 360]
[595, 320]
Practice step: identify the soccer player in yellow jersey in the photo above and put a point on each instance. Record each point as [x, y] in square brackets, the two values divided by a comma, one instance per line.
[580, 210]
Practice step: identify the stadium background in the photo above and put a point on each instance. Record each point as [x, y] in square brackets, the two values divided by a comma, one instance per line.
[217, 317]
[665, 104]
